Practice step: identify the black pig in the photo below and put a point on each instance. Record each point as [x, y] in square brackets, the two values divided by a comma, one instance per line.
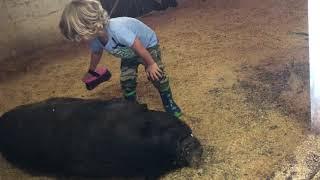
[96, 138]
[136, 8]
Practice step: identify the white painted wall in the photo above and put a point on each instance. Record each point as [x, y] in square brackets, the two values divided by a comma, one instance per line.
[314, 54]
[28, 25]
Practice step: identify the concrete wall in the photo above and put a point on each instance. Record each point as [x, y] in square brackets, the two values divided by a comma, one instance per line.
[27, 25]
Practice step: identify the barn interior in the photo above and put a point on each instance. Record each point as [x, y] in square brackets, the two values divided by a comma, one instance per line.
[239, 69]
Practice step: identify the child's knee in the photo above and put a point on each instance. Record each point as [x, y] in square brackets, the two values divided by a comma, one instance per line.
[162, 84]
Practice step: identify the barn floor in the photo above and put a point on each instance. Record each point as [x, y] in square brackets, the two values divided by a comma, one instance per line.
[239, 70]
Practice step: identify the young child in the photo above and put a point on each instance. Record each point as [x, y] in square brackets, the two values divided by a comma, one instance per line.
[127, 38]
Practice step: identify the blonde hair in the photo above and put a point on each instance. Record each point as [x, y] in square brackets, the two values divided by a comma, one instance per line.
[82, 19]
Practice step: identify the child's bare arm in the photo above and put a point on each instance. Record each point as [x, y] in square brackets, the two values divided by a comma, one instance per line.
[152, 68]
[95, 59]
[141, 50]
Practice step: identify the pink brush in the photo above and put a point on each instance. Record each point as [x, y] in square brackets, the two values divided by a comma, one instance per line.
[99, 76]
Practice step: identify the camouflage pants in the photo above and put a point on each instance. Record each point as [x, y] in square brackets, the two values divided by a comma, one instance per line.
[129, 70]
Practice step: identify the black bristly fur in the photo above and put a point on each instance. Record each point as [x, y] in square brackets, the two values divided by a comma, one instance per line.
[95, 138]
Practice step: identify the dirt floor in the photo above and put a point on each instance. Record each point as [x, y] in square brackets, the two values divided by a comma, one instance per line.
[238, 69]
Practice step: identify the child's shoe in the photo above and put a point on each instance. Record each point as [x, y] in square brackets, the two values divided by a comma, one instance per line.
[169, 105]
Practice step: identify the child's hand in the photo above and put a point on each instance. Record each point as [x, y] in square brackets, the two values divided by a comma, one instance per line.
[86, 76]
[154, 72]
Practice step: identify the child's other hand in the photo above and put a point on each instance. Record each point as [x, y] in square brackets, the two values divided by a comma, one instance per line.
[86, 76]
[154, 72]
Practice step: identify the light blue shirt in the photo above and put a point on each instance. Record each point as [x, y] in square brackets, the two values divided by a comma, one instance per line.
[122, 32]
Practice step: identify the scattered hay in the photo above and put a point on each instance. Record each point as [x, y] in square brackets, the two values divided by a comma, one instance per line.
[284, 87]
